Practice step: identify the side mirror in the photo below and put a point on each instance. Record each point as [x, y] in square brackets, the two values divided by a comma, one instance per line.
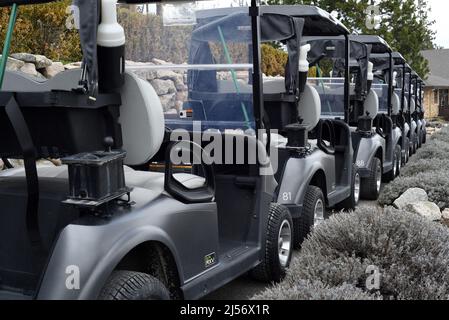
[185, 192]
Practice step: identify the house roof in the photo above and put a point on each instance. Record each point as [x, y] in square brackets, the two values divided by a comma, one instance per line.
[439, 67]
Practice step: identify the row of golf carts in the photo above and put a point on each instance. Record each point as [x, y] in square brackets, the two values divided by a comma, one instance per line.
[156, 204]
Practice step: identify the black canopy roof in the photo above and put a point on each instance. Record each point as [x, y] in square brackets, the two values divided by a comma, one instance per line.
[398, 58]
[317, 21]
[378, 44]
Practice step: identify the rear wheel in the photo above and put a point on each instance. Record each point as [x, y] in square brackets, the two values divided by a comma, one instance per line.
[371, 185]
[129, 285]
[278, 246]
[352, 202]
[313, 214]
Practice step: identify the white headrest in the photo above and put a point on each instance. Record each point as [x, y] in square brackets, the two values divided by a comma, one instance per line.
[405, 104]
[309, 107]
[274, 85]
[371, 104]
[396, 101]
[303, 62]
[395, 82]
[142, 120]
[413, 106]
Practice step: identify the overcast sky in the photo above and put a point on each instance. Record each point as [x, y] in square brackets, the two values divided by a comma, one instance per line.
[439, 13]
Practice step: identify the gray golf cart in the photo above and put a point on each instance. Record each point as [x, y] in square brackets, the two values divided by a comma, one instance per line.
[410, 107]
[361, 108]
[314, 167]
[421, 111]
[96, 229]
[389, 103]
[416, 112]
[399, 74]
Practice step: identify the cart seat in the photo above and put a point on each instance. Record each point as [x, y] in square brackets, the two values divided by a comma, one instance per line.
[412, 106]
[396, 102]
[371, 104]
[153, 181]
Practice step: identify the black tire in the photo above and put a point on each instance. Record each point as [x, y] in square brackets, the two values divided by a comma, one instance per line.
[390, 176]
[406, 154]
[271, 269]
[352, 202]
[129, 285]
[370, 186]
[424, 138]
[304, 225]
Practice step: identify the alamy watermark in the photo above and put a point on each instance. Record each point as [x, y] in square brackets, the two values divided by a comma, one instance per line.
[373, 17]
[373, 280]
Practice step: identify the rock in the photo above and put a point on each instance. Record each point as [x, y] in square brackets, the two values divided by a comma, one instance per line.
[411, 196]
[13, 64]
[29, 68]
[425, 209]
[445, 215]
[168, 101]
[25, 57]
[179, 83]
[163, 87]
[73, 65]
[159, 62]
[166, 75]
[42, 62]
[52, 70]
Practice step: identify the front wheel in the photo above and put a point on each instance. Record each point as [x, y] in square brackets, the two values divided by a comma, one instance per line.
[278, 246]
[390, 176]
[371, 185]
[129, 285]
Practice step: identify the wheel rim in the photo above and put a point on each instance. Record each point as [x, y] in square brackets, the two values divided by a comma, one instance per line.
[378, 178]
[357, 188]
[395, 165]
[284, 243]
[318, 213]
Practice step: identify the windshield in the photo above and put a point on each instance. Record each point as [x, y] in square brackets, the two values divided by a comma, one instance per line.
[382, 93]
[331, 91]
[198, 58]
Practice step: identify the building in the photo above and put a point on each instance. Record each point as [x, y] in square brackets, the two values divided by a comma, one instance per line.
[436, 93]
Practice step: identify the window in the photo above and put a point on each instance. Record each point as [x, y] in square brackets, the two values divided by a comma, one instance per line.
[444, 97]
[435, 96]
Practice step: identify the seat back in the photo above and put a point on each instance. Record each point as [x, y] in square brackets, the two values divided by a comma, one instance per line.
[412, 106]
[371, 104]
[396, 102]
[142, 120]
[309, 107]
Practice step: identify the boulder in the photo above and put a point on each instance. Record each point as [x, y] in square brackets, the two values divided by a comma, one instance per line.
[25, 57]
[13, 64]
[52, 70]
[165, 75]
[29, 68]
[411, 196]
[159, 62]
[168, 101]
[73, 65]
[163, 87]
[42, 62]
[445, 215]
[425, 209]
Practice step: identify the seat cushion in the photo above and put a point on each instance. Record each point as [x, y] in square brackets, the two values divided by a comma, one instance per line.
[153, 181]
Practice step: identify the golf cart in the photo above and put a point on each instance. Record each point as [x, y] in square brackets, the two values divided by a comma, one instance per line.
[389, 103]
[103, 226]
[410, 107]
[401, 120]
[421, 111]
[314, 157]
[361, 107]
[416, 113]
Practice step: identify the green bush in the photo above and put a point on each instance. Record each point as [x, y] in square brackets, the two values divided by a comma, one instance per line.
[410, 252]
[274, 61]
[41, 29]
